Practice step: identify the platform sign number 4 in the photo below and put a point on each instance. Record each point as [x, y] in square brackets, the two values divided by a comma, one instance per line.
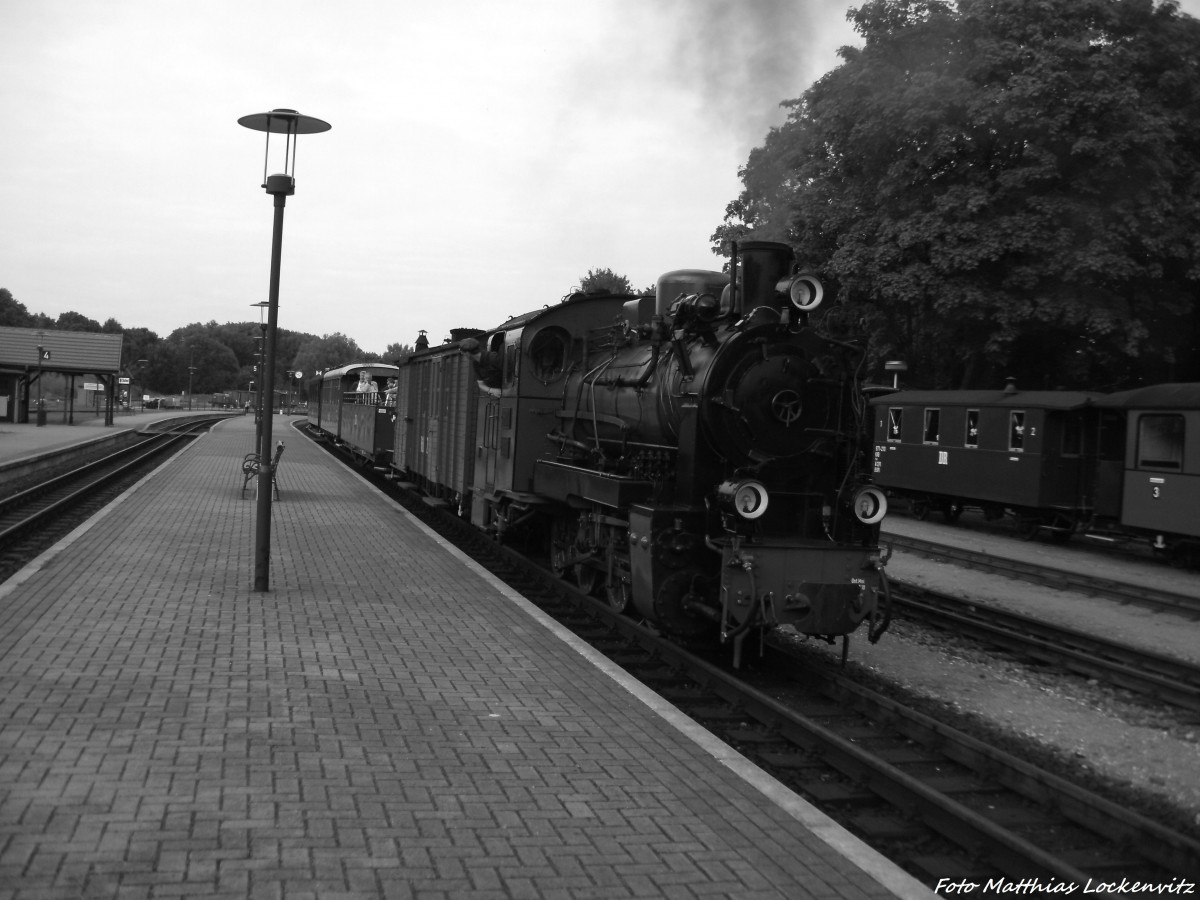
[943, 457]
[45, 354]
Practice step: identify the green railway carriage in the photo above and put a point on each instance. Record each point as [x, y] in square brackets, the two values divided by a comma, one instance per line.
[1150, 481]
[1024, 453]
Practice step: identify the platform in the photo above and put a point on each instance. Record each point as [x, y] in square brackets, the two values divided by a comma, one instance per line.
[25, 441]
[386, 721]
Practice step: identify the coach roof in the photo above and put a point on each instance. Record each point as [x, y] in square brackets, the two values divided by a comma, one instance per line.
[1014, 399]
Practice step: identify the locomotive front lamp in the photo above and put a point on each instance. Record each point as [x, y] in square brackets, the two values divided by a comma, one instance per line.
[805, 291]
[282, 185]
[870, 505]
[745, 499]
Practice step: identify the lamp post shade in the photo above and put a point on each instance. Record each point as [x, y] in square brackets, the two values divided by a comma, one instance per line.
[287, 122]
[284, 121]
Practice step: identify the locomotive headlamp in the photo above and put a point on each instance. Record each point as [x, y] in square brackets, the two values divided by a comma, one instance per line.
[805, 291]
[745, 499]
[707, 307]
[701, 307]
[870, 505]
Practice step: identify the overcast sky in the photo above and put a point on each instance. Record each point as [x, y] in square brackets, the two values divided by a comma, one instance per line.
[485, 154]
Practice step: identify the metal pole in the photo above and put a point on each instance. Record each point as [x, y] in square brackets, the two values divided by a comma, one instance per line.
[40, 414]
[262, 527]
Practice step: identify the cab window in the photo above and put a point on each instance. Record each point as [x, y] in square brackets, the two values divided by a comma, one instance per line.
[548, 353]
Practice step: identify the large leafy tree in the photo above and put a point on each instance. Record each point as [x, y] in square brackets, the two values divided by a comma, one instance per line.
[214, 365]
[1001, 187]
[13, 313]
[605, 280]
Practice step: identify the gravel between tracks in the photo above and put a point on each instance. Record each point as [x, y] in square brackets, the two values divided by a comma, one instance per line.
[1145, 753]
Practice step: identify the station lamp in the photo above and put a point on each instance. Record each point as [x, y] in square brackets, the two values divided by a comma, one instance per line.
[280, 185]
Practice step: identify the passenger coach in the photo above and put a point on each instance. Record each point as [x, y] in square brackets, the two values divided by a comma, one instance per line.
[1149, 474]
[1021, 452]
[361, 420]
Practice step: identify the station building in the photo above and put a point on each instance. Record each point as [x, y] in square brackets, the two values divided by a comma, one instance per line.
[28, 355]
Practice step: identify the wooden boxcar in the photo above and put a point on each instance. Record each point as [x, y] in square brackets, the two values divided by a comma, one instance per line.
[1026, 453]
[436, 413]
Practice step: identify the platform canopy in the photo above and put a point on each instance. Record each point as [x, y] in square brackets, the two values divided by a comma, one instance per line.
[71, 352]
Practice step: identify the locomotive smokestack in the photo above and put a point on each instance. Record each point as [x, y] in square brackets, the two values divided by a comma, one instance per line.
[764, 265]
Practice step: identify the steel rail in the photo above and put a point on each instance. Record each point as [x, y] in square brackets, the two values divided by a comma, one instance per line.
[1165, 678]
[1137, 594]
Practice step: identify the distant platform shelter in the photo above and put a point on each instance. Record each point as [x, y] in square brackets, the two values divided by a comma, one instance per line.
[29, 354]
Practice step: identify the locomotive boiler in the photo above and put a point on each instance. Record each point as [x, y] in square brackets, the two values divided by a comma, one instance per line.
[698, 456]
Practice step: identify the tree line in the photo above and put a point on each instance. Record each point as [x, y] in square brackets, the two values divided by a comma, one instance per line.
[208, 357]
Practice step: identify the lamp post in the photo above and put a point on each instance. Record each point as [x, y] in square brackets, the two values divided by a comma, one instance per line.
[260, 354]
[133, 370]
[191, 372]
[895, 366]
[40, 414]
[280, 186]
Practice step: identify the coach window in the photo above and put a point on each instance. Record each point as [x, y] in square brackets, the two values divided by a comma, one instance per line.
[1016, 430]
[971, 438]
[895, 420]
[1160, 442]
[932, 418]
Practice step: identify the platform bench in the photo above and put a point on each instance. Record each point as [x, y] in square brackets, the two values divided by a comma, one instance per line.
[252, 466]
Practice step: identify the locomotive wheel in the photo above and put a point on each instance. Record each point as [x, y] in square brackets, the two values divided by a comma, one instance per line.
[1028, 527]
[670, 612]
[920, 510]
[619, 592]
[952, 511]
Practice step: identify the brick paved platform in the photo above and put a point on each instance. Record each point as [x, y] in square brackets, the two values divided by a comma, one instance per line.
[385, 722]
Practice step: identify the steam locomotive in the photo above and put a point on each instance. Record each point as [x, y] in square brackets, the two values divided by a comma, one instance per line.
[697, 457]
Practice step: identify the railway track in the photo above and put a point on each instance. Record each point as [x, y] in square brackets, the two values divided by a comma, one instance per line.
[1163, 678]
[1138, 595]
[935, 800]
[40, 511]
